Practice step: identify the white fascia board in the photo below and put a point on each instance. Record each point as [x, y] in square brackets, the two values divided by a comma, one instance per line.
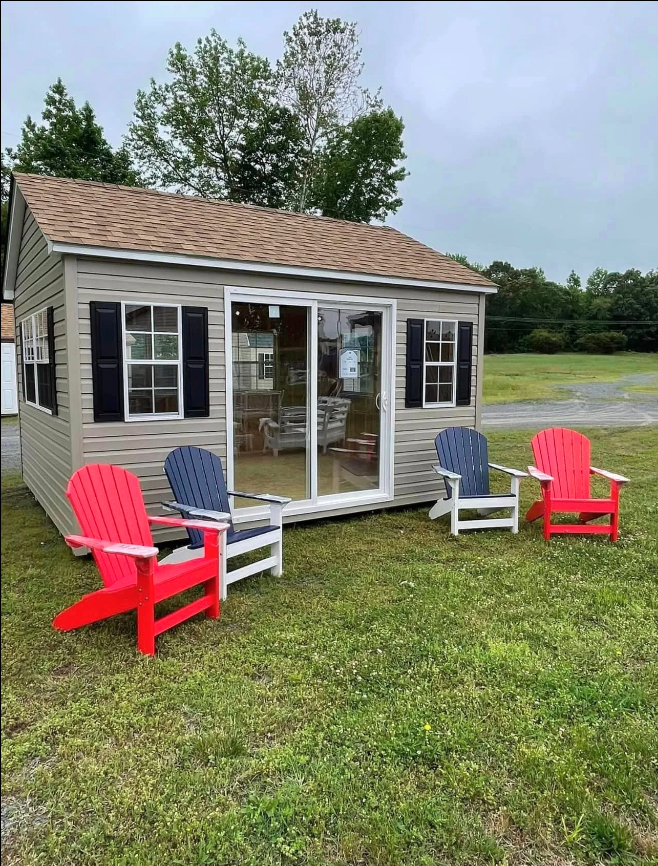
[15, 232]
[263, 268]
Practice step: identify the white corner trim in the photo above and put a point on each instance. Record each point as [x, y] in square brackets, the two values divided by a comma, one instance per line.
[15, 233]
[264, 268]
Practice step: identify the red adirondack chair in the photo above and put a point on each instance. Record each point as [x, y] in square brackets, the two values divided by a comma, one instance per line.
[563, 470]
[109, 506]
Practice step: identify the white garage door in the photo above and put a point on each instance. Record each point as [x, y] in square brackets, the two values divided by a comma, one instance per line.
[9, 388]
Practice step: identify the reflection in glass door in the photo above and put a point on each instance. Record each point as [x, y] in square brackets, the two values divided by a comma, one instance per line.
[270, 349]
[349, 400]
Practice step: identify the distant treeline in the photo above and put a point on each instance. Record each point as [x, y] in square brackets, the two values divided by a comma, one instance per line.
[532, 314]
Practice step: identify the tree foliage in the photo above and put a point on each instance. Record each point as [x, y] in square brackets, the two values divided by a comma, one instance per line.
[303, 135]
[528, 307]
[216, 128]
[69, 143]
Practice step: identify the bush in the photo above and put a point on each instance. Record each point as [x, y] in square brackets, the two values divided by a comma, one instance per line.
[544, 342]
[602, 343]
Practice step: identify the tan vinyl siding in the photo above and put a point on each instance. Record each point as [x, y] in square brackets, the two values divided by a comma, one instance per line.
[142, 446]
[45, 438]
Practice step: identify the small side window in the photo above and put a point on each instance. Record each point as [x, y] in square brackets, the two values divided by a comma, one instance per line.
[440, 362]
[152, 361]
[37, 343]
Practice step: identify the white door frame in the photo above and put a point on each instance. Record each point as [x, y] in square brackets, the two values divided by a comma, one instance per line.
[334, 502]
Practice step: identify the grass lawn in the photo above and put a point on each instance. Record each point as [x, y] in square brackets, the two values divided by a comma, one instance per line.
[399, 696]
[510, 378]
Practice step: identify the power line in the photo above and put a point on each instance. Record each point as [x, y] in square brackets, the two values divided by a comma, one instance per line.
[571, 321]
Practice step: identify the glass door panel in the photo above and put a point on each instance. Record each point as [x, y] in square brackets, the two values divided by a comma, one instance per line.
[271, 412]
[349, 400]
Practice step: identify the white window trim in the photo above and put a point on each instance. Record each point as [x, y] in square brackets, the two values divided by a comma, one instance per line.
[127, 362]
[453, 364]
[33, 317]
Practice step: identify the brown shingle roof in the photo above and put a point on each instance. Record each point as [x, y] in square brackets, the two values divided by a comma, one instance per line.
[128, 218]
[8, 332]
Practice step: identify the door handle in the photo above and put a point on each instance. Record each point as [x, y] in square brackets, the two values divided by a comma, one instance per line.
[385, 401]
[378, 402]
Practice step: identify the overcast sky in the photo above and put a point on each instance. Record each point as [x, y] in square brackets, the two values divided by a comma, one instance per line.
[531, 128]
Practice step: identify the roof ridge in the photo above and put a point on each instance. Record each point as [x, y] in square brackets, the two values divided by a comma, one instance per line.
[196, 199]
[114, 216]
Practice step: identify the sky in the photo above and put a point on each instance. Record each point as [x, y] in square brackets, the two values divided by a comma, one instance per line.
[531, 129]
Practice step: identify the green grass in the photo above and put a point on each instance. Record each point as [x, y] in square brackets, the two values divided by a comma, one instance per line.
[398, 697]
[511, 378]
[10, 420]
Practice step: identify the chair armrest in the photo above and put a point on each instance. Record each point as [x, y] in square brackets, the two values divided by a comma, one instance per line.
[201, 525]
[515, 472]
[136, 551]
[203, 513]
[263, 497]
[453, 476]
[540, 476]
[267, 422]
[620, 479]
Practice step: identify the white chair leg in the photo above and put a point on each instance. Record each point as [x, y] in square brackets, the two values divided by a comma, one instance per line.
[223, 567]
[454, 517]
[515, 490]
[454, 514]
[276, 549]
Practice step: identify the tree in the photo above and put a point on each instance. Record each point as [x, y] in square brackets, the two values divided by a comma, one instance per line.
[318, 79]
[304, 136]
[69, 143]
[216, 129]
[463, 260]
[573, 281]
[634, 298]
[596, 283]
[355, 178]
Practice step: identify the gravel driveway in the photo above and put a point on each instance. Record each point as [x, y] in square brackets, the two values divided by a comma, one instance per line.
[601, 404]
[11, 446]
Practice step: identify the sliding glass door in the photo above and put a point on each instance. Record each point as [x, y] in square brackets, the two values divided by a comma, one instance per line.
[308, 401]
[349, 399]
[271, 414]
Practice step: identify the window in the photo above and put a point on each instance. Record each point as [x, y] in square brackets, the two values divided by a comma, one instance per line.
[265, 365]
[38, 371]
[153, 370]
[440, 363]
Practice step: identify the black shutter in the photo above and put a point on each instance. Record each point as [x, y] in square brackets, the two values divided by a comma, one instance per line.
[196, 378]
[51, 360]
[106, 360]
[413, 396]
[464, 362]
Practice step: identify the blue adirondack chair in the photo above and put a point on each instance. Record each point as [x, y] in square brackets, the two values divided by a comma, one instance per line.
[197, 480]
[464, 466]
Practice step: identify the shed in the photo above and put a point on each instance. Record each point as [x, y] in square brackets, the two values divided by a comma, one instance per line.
[9, 386]
[318, 358]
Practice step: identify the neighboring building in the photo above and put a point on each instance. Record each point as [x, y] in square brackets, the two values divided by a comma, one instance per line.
[9, 382]
[318, 358]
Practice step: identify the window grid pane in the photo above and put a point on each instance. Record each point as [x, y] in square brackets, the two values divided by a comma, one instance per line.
[440, 342]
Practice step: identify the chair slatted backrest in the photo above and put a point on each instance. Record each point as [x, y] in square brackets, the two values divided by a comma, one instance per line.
[565, 455]
[464, 450]
[109, 506]
[196, 478]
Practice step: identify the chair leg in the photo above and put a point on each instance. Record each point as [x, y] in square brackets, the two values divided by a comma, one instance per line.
[454, 518]
[276, 549]
[515, 490]
[145, 607]
[536, 510]
[614, 525]
[212, 587]
[223, 567]
[547, 524]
